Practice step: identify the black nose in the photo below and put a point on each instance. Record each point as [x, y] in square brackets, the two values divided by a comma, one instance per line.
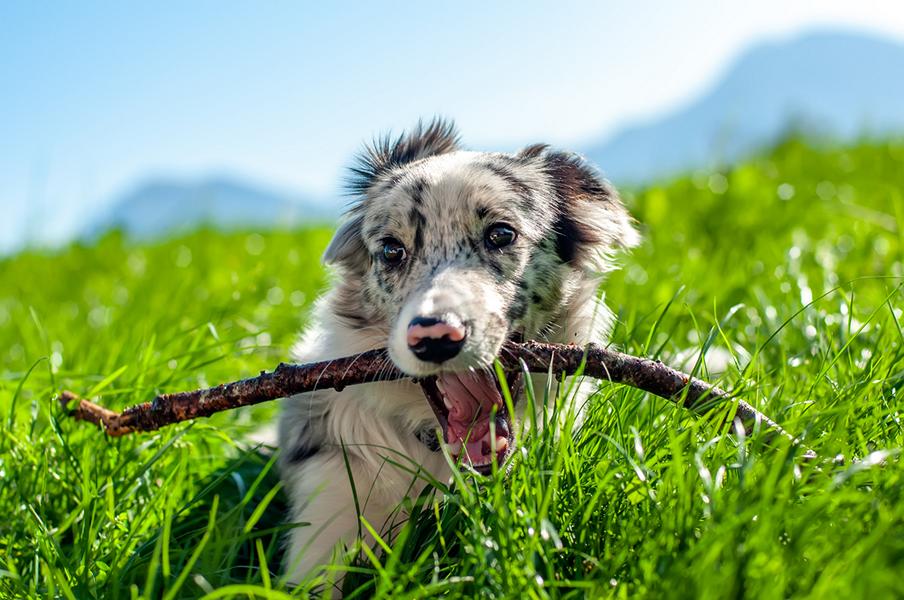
[433, 340]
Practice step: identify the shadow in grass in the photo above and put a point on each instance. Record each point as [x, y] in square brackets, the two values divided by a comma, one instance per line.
[230, 533]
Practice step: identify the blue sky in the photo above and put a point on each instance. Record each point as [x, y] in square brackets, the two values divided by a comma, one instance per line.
[96, 96]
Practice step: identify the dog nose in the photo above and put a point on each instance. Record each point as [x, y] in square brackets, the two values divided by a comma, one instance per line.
[433, 340]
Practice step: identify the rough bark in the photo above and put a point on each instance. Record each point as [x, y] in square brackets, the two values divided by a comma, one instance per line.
[286, 380]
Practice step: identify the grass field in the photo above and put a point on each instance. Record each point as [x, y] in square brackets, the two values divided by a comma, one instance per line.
[792, 263]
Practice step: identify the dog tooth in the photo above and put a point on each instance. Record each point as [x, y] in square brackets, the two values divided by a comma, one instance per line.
[501, 444]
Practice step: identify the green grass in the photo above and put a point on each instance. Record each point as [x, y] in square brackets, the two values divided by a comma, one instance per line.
[792, 261]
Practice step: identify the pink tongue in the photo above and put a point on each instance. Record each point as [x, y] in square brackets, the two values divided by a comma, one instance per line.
[470, 399]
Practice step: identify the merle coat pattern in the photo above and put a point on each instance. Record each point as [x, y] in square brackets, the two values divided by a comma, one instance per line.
[423, 198]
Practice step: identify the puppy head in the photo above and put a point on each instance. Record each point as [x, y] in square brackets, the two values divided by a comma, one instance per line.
[451, 252]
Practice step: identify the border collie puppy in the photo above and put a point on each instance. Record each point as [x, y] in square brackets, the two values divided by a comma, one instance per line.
[444, 255]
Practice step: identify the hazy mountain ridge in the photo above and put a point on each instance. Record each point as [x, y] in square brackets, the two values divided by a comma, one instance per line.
[839, 84]
[162, 206]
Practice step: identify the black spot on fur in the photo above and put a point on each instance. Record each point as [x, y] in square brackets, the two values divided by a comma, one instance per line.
[308, 442]
[303, 452]
[416, 217]
[521, 188]
[419, 237]
[536, 299]
[418, 221]
[428, 438]
[517, 310]
[417, 191]
[482, 212]
[384, 154]
[574, 182]
[569, 237]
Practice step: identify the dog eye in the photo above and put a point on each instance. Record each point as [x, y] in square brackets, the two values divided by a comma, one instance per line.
[500, 235]
[393, 251]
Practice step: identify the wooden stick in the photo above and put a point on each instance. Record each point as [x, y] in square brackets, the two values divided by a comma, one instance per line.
[286, 380]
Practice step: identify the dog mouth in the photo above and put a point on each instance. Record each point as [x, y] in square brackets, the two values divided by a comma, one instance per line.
[471, 410]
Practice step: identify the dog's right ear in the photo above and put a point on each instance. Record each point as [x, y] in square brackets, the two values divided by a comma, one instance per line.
[591, 222]
[439, 136]
[347, 246]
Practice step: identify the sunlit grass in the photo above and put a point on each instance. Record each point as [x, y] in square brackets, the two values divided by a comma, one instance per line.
[790, 265]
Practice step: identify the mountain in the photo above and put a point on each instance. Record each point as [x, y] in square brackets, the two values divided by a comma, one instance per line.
[836, 84]
[842, 85]
[158, 207]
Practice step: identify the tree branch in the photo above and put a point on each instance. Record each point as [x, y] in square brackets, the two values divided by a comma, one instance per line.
[287, 380]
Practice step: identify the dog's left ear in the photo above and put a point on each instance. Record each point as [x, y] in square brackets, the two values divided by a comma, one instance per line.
[347, 246]
[591, 222]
